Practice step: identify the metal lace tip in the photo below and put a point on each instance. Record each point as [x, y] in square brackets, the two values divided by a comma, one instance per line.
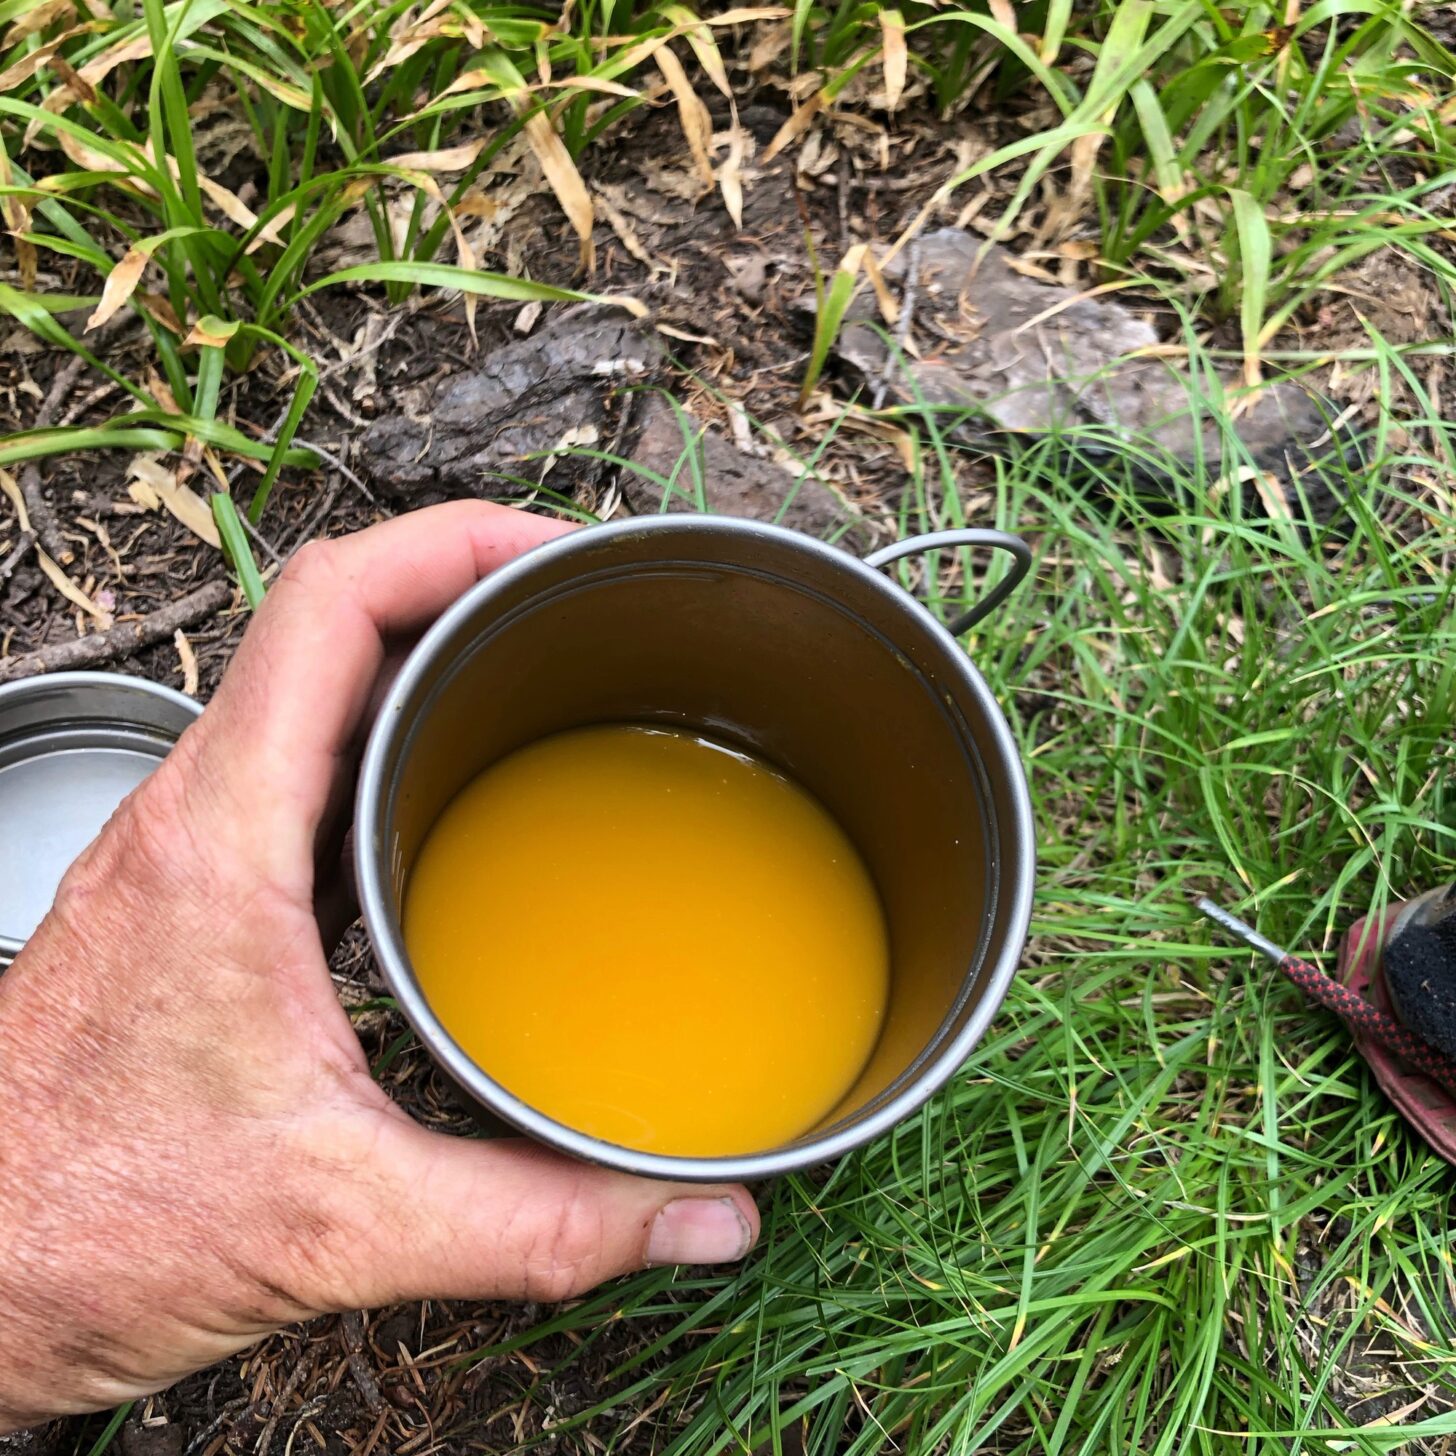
[1240, 930]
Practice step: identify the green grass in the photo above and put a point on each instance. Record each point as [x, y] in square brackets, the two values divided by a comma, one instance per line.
[1164, 1206]
[1248, 159]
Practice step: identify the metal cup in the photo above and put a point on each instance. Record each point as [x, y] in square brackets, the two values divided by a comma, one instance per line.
[72, 746]
[783, 646]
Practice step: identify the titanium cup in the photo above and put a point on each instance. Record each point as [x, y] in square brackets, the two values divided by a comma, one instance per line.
[73, 745]
[780, 645]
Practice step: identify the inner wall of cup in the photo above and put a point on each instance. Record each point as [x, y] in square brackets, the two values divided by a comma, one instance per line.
[758, 661]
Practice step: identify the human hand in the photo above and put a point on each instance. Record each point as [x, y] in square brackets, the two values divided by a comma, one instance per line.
[192, 1150]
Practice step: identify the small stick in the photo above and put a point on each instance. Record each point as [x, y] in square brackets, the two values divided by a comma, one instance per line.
[17, 554]
[352, 1324]
[42, 517]
[296, 1377]
[1350, 1006]
[329, 458]
[122, 640]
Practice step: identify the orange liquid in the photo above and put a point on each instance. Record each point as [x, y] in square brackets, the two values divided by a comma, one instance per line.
[652, 939]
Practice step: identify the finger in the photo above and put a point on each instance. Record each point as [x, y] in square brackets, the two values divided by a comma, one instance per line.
[510, 1219]
[291, 705]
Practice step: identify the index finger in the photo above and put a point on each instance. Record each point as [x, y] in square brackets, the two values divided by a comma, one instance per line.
[291, 704]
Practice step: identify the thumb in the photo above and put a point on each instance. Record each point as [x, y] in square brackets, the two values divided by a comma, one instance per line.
[509, 1219]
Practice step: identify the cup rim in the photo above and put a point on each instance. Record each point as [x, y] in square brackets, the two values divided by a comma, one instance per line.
[61, 686]
[386, 935]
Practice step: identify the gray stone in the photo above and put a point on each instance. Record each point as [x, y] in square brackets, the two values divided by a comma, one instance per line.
[1003, 354]
[734, 483]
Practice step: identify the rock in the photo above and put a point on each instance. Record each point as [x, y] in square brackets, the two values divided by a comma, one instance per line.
[734, 482]
[1021, 356]
[486, 431]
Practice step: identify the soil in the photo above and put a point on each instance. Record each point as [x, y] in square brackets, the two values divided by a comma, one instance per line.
[729, 339]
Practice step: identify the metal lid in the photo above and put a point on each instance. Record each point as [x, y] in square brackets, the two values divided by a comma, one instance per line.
[73, 745]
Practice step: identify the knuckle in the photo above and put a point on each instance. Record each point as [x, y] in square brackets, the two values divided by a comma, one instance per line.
[564, 1258]
[313, 565]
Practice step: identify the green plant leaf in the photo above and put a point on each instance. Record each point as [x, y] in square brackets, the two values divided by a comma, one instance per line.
[829, 317]
[235, 544]
[445, 275]
[1255, 255]
[302, 394]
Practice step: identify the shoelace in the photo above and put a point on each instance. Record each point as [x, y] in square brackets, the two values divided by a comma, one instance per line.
[1353, 1008]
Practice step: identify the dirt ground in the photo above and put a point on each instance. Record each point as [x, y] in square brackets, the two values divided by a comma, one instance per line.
[734, 339]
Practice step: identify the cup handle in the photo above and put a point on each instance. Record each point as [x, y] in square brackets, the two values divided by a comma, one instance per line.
[1014, 546]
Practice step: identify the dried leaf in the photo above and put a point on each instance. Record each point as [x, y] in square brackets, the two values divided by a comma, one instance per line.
[29, 64]
[186, 505]
[188, 658]
[730, 174]
[795, 126]
[745, 15]
[160, 391]
[120, 284]
[144, 495]
[36, 19]
[465, 254]
[88, 158]
[634, 306]
[697, 125]
[686, 337]
[161, 310]
[1003, 12]
[272, 230]
[11, 489]
[71, 591]
[99, 67]
[565, 181]
[228, 203]
[897, 55]
[476, 204]
[1271, 496]
[445, 159]
[889, 309]
[486, 80]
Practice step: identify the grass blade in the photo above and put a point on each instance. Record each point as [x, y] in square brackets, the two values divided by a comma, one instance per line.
[830, 316]
[1255, 255]
[239, 552]
[307, 383]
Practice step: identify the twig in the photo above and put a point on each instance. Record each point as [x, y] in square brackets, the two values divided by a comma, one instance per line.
[17, 554]
[237, 1410]
[332, 459]
[47, 528]
[259, 539]
[353, 1329]
[296, 1378]
[88, 401]
[122, 640]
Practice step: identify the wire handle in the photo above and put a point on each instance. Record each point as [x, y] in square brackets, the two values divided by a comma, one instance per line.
[1014, 546]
